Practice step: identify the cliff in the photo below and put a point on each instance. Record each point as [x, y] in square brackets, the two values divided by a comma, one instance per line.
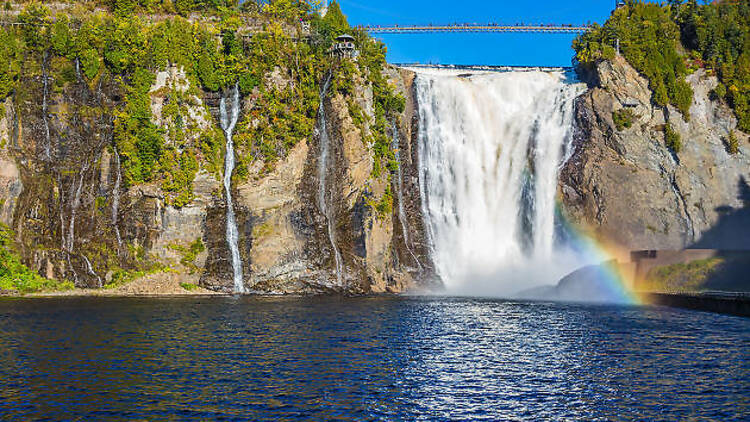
[629, 189]
[111, 160]
[284, 240]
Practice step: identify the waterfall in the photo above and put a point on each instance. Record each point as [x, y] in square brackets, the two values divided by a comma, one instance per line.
[45, 82]
[92, 272]
[74, 208]
[322, 172]
[400, 195]
[116, 198]
[228, 122]
[490, 148]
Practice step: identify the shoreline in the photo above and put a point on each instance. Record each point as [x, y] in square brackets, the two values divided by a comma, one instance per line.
[728, 303]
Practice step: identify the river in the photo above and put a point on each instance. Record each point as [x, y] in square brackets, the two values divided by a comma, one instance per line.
[378, 358]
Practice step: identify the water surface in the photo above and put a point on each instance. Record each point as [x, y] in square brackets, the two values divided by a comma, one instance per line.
[367, 359]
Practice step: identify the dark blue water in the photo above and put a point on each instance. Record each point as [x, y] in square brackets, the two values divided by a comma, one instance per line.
[367, 359]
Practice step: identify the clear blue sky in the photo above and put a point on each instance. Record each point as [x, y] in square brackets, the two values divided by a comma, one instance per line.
[501, 49]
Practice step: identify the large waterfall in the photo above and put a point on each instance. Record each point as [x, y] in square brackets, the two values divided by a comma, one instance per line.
[228, 122]
[490, 147]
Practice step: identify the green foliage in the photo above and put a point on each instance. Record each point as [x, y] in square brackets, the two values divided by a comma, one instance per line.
[15, 276]
[720, 32]
[10, 62]
[287, 10]
[672, 138]
[649, 40]
[623, 118]
[714, 35]
[138, 139]
[287, 104]
[384, 206]
[189, 254]
[35, 19]
[335, 19]
[122, 277]
[125, 7]
[278, 72]
[681, 278]
[733, 145]
[189, 286]
[387, 103]
[61, 38]
[720, 92]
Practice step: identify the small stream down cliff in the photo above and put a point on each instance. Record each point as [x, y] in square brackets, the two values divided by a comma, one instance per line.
[490, 148]
[323, 164]
[228, 122]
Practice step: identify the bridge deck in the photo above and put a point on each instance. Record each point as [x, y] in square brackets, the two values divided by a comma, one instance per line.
[485, 68]
[419, 29]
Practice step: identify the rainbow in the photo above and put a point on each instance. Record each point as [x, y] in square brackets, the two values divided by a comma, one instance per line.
[618, 275]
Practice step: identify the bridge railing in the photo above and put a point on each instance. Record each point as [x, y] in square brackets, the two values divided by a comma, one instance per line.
[415, 29]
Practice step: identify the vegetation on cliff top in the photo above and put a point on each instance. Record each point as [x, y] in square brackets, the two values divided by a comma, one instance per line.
[666, 42]
[276, 52]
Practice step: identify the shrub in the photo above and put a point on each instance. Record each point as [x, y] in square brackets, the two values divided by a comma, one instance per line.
[672, 138]
[733, 146]
[189, 286]
[720, 91]
[189, 254]
[16, 276]
[623, 118]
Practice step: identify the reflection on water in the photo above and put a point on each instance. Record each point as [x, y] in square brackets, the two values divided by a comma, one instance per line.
[369, 358]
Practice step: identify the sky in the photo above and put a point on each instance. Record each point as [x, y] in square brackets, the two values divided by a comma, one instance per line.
[478, 49]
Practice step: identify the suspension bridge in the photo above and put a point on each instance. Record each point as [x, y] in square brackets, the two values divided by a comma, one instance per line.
[480, 28]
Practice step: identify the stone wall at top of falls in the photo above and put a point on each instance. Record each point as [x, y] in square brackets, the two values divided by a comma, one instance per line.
[627, 189]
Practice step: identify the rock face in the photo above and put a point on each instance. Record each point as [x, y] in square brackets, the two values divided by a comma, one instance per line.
[63, 192]
[75, 218]
[284, 240]
[628, 189]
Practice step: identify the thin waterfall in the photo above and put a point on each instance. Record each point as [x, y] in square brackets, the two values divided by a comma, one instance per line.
[91, 271]
[61, 212]
[322, 172]
[45, 83]
[491, 146]
[116, 198]
[228, 122]
[74, 208]
[400, 194]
